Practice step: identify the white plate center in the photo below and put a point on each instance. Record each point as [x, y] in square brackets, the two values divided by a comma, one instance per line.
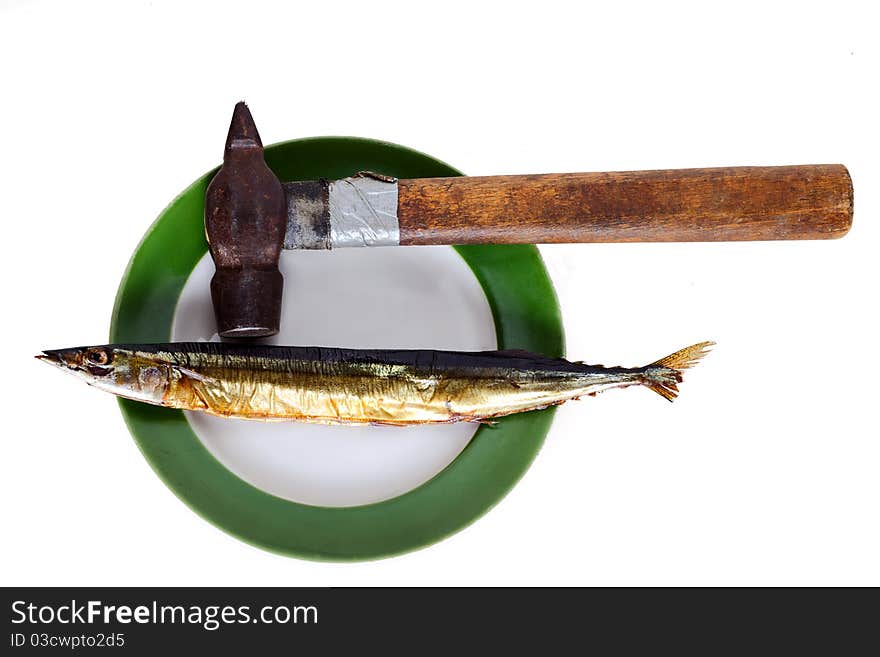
[393, 297]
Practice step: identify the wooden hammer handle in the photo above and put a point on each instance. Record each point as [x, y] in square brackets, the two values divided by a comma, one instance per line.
[684, 205]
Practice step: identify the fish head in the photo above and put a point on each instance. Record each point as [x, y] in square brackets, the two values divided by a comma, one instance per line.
[124, 372]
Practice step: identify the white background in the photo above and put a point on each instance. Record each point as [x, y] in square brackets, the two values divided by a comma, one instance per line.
[765, 471]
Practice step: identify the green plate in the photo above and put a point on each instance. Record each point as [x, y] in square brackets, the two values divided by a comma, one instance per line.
[526, 316]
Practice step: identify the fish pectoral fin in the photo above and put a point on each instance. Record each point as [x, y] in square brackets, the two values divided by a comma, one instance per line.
[195, 376]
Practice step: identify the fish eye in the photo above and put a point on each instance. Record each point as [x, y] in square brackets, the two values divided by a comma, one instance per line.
[97, 357]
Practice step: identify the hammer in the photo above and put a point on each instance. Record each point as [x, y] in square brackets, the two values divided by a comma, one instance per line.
[250, 215]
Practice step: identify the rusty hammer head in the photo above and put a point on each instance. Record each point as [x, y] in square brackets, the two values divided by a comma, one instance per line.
[245, 221]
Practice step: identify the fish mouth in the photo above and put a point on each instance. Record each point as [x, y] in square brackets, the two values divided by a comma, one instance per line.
[50, 357]
[74, 361]
[55, 357]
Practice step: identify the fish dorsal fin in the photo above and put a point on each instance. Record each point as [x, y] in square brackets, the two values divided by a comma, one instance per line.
[521, 353]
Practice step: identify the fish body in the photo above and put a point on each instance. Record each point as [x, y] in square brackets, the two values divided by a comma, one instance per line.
[353, 386]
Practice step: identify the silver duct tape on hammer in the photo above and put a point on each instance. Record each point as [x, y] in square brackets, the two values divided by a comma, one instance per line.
[363, 211]
[360, 210]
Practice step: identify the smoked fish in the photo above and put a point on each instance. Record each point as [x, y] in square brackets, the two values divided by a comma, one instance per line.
[354, 386]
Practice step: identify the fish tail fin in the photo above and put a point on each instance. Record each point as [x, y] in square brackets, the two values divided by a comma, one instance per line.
[664, 375]
[684, 358]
